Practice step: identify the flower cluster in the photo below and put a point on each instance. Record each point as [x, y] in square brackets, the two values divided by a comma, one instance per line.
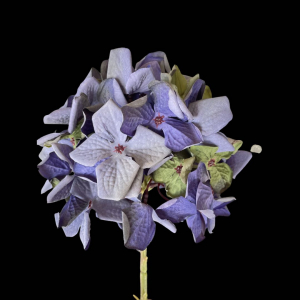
[133, 129]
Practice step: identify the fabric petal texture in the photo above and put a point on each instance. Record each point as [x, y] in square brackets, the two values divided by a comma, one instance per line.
[238, 161]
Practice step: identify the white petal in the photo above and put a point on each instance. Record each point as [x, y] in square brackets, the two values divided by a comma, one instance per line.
[47, 186]
[85, 230]
[211, 225]
[44, 154]
[166, 223]
[126, 228]
[136, 186]
[147, 147]
[138, 81]
[159, 164]
[108, 121]
[59, 116]
[208, 213]
[115, 177]
[41, 141]
[62, 190]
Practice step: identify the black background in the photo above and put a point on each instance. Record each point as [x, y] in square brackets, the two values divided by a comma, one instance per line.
[229, 60]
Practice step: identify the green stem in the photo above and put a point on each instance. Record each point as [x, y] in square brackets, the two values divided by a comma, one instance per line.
[143, 275]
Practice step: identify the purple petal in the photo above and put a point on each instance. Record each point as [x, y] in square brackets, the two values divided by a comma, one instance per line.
[54, 167]
[73, 228]
[136, 113]
[195, 93]
[63, 152]
[70, 101]
[84, 189]
[176, 210]
[222, 212]
[87, 172]
[238, 161]
[218, 140]
[180, 135]
[155, 68]
[194, 178]
[72, 209]
[158, 56]
[61, 191]
[204, 197]
[197, 225]
[109, 210]
[87, 126]
[139, 80]
[138, 226]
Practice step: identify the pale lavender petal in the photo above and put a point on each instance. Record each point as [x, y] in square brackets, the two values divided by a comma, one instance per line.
[138, 226]
[135, 188]
[87, 172]
[146, 147]
[89, 87]
[54, 167]
[110, 89]
[94, 73]
[62, 190]
[195, 93]
[103, 69]
[218, 140]
[109, 210]
[238, 161]
[120, 66]
[84, 189]
[158, 56]
[136, 113]
[211, 115]
[139, 80]
[108, 121]
[115, 177]
[197, 225]
[221, 203]
[155, 68]
[176, 210]
[92, 150]
[166, 223]
[85, 230]
[72, 209]
[73, 228]
[204, 197]
[79, 103]
[46, 187]
[63, 152]
[44, 154]
[41, 141]
[59, 116]
[211, 223]
[180, 135]
[70, 101]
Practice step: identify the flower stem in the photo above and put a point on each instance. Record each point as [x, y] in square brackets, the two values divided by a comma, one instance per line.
[143, 275]
[161, 193]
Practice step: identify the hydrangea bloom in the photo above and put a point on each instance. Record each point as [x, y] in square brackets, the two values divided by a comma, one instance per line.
[133, 129]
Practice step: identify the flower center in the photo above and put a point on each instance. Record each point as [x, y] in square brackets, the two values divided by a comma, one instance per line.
[158, 120]
[178, 169]
[90, 204]
[73, 141]
[211, 163]
[119, 149]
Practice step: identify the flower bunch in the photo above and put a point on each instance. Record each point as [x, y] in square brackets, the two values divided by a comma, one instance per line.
[133, 129]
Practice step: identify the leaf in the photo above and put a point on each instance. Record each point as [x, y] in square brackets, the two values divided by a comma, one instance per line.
[54, 182]
[221, 177]
[145, 183]
[76, 135]
[189, 85]
[207, 93]
[203, 153]
[179, 80]
[183, 154]
[186, 169]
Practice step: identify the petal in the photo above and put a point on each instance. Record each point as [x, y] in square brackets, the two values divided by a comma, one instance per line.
[89, 87]
[94, 73]
[158, 56]
[204, 197]
[195, 92]
[138, 226]
[135, 189]
[46, 187]
[63, 152]
[120, 66]
[147, 147]
[176, 210]
[139, 80]
[72, 209]
[41, 141]
[115, 177]
[109, 210]
[138, 112]
[211, 225]
[85, 230]
[103, 68]
[208, 213]
[211, 115]
[84, 189]
[59, 116]
[108, 121]
[194, 178]
[110, 89]
[61, 191]
[79, 103]
[197, 225]
[180, 135]
[238, 161]
[222, 202]
[165, 99]
[44, 154]
[92, 150]
[159, 164]
[218, 140]
[87, 172]
[166, 223]
[155, 68]
[73, 228]
[53, 166]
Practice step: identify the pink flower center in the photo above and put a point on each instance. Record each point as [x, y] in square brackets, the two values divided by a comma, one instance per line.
[158, 120]
[73, 141]
[178, 169]
[119, 149]
[211, 163]
[90, 204]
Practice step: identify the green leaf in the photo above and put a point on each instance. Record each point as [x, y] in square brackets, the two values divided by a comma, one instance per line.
[76, 135]
[182, 154]
[221, 177]
[175, 183]
[54, 182]
[203, 153]
[207, 93]
[179, 80]
[145, 182]
[190, 84]
[237, 144]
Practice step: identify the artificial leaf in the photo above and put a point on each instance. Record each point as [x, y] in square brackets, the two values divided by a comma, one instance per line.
[207, 93]
[203, 153]
[221, 177]
[179, 80]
